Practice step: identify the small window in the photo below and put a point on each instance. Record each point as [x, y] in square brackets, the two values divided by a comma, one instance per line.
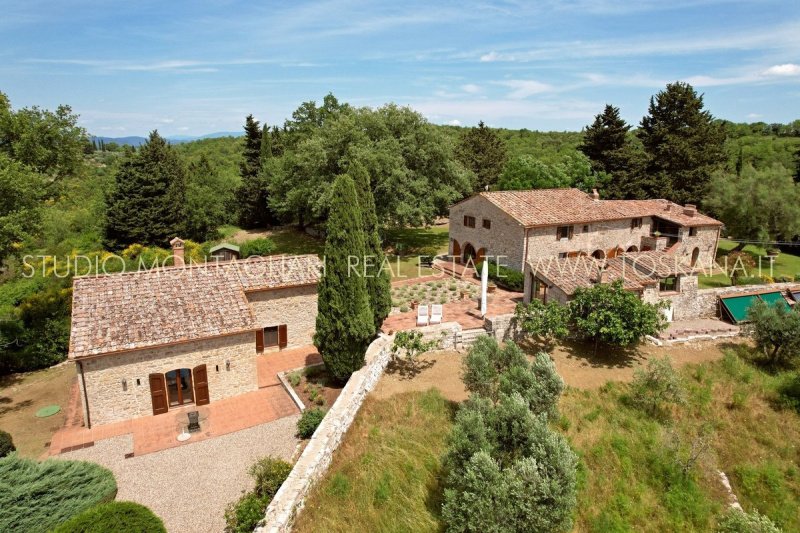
[586, 228]
[271, 336]
[563, 232]
[636, 223]
[487, 224]
[563, 255]
[692, 232]
[469, 221]
[669, 284]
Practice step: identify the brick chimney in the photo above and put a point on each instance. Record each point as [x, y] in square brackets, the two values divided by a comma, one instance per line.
[177, 251]
[690, 210]
[595, 195]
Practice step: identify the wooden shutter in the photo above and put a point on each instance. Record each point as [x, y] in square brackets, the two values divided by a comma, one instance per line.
[260, 341]
[158, 394]
[571, 231]
[282, 341]
[200, 377]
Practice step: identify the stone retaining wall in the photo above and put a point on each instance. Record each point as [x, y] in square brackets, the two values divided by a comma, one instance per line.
[705, 303]
[315, 459]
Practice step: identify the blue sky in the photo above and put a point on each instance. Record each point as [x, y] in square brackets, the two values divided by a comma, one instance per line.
[189, 68]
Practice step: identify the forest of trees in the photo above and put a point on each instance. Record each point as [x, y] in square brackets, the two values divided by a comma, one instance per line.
[63, 195]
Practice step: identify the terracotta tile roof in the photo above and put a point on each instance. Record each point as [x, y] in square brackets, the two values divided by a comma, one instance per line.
[167, 305]
[636, 270]
[552, 207]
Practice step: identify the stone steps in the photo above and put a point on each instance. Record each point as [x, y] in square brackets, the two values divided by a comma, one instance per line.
[467, 337]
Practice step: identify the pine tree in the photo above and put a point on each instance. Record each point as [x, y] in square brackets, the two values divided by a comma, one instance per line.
[683, 143]
[253, 197]
[378, 283]
[484, 152]
[266, 144]
[148, 203]
[345, 323]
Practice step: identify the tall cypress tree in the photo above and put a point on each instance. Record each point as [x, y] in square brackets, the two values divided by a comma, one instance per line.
[266, 144]
[484, 152]
[378, 283]
[683, 144]
[148, 203]
[345, 322]
[253, 196]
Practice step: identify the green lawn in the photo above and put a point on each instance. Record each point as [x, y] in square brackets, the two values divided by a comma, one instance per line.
[386, 474]
[785, 266]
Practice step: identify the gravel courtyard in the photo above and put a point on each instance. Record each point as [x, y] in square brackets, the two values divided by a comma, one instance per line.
[190, 486]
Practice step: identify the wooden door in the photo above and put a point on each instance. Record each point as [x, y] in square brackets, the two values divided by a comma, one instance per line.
[158, 394]
[260, 341]
[282, 340]
[200, 376]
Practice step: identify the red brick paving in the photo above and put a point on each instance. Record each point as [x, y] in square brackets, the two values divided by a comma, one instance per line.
[154, 433]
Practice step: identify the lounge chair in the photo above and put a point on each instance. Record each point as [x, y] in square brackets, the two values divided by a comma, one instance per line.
[422, 315]
[436, 314]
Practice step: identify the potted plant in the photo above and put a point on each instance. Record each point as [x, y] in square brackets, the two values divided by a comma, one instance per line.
[414, 304]
[491, 287]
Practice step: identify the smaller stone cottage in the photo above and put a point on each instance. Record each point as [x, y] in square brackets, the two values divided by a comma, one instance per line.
[150, 341]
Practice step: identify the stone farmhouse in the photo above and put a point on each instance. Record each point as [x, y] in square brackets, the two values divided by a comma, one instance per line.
[151, 341]
[565, 238]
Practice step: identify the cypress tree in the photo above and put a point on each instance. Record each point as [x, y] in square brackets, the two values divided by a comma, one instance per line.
[148, 203]
[345, 323]
[483, 152]
[253, 196]
[266, 144]
[378, 283]
[683, 144]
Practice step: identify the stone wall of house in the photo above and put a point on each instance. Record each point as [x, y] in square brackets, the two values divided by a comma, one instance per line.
[315, 459]
[103, 375]
[705, 241]
[294, 306]
[605, 236]
[505, 239]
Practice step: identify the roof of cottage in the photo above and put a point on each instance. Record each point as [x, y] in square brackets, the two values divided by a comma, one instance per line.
[142, 309]
[553, 207]
[636, 270]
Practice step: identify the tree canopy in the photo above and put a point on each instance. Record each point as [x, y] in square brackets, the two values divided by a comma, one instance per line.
[528, 172]
[483, 152]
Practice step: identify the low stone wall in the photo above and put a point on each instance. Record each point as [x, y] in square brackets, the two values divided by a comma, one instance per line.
[705, 303]
[503, 327]
[315, 459]
[445, 333]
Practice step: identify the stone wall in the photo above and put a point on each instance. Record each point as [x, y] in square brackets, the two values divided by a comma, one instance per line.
[315, 459]
[108, 402]
[505, 239]
[294, 306]
[705, 302]
[605, 236]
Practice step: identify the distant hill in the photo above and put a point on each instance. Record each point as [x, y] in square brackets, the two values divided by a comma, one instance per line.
[174, 139]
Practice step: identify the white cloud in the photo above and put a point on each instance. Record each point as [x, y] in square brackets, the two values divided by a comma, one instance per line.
[455, 122]
[525, 88]
[471, 88]
[492, 56]
[754, 115]
[787, 69]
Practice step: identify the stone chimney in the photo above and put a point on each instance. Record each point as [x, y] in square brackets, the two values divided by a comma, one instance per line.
[690, 210]
[602, 274]
[595, 195]
[177, 252]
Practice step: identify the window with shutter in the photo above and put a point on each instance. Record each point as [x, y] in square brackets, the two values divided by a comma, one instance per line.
[259, 341]
[282, 338]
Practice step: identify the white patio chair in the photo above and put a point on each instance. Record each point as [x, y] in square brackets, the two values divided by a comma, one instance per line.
[436, 314]
[422, 315]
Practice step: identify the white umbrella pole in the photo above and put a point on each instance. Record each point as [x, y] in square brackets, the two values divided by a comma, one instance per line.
[484, 286]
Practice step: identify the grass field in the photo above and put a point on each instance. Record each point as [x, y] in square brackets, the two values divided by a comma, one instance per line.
[385, 476]
[21, 395]
[785, 265]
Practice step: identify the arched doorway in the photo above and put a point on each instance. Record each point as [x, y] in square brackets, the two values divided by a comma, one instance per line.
[456, 250]
[633, 248]
[599, 254]
[646, 248]
[695, 256]
[614, 252]
[480, 255]
[469, 253]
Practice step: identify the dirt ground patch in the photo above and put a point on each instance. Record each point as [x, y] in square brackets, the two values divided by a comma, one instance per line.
[316, 388]
[440, 370]
[21, 395]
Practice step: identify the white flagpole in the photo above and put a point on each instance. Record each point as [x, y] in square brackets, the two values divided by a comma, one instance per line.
[484, 286]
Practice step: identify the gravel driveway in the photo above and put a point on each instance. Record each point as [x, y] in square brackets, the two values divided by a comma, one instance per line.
[189, 486]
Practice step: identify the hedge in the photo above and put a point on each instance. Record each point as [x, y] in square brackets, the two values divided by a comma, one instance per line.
[309, 421]
[120, 517]
[503, 276]
[38, 496]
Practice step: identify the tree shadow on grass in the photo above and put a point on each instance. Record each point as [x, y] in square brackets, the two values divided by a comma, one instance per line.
[605, 357]
[408, 367]
[14, 407]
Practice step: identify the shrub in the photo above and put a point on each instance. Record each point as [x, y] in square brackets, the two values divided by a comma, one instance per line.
[404, 308]
[309, 421]
[269, 474]
[657, 386]
[411, 343]
[122, 517]
[503, 276]
[6, 444]
[775, 331]
[738, 521]
[294, 378]
[257, 247]
[243, 515]
[37, 496]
